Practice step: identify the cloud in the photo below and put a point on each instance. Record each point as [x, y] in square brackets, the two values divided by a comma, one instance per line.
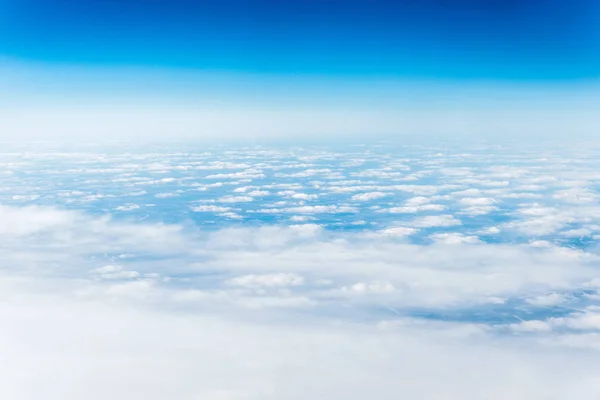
[246, 174]
[138, 309]
[112, 351]
[266, 280]
[304, 196]
[320, 209]
[210, 208]
[547, 300]
[399, 231]
[235, 199]
[166, 195]
[371, 287]
[435, 221]
[32, 220]
[477, 201]
[310, 277]
[454, 238]
[416, 209]
[127, 207]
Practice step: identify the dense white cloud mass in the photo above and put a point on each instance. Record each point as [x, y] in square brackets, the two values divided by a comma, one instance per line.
[300, 285]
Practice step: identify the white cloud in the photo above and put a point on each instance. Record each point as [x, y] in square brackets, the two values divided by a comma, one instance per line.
[417, 201]
[478, 210]
[231, 215]
[477, 201]
[115, 272]
[416, 209]
[371, 287]
[258, 193]
[246, 174]
[320, 209]
[127, 207]
[130, 326]
[266, 280]
[166, 195]
[399, 231]
[435, 221]
[31, 220]
[576, 196]
[300, 218]
[210, 208]
[469, 192]
[345, 303]
[454, 238]
[547, 300]
[304, 196]
[235, 199]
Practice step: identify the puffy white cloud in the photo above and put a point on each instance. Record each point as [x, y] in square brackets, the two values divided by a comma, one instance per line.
[167, 195]
[231, 215]
[246, 174]
[266, 280]
[347, 303]
[369, 196]
[416, 209]
[141, 319]
[115, 272]
[477, 201]
[127, 207]
[417, 201]
[454, 238]
[235, 199]
[435, 221]
[371, 287]
[122, 351]
[258, 193]
[300, 218]
[399, 231]
[210, 208]
[31, 220]
[477, 210]
[304, 196]
[551, 299]
[319, 209]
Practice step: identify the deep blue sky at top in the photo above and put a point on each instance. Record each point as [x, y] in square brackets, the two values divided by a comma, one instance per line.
[430, 39]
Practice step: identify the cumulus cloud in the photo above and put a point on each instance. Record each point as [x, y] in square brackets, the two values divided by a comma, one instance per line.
[369, 196]
[416, 209]
[454, 238]
[308, 275]
[477, 201]
[399, 231]
[319, 209]
[127, 207]
[435, 221]
[266, 280]
[30, 220]
[210, 208]
[125, 302]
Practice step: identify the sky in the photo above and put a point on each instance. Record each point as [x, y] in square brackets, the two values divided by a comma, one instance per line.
[440, 39]
[247, 199]
[353, 66]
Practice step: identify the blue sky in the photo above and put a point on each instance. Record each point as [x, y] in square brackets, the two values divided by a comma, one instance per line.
[459, 39]
[269, 58]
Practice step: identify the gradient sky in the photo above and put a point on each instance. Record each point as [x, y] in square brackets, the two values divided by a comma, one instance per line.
[241, 54]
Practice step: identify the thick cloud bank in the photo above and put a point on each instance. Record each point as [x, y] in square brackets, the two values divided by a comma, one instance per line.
[295, 274]
[95, 308]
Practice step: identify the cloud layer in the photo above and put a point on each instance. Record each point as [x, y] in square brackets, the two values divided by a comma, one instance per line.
[329, 294]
